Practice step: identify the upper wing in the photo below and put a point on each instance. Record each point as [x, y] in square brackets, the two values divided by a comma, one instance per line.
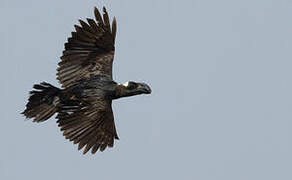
[88, 122]
[89, 51]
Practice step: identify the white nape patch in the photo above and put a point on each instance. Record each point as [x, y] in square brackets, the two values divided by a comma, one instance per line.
[126, 84]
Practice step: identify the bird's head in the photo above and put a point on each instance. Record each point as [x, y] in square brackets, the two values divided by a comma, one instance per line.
[131, 88]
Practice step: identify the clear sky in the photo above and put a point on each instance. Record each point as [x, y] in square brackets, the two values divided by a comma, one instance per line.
[220, 72]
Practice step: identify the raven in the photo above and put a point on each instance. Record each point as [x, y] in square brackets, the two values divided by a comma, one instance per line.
[83, 104]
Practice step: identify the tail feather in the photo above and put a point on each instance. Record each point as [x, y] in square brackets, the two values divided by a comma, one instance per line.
[42, 103]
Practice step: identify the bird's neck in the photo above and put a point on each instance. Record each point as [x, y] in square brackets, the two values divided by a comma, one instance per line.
[122, 91]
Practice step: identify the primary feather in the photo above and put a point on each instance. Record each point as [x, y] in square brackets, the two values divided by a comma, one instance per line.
[90, 50]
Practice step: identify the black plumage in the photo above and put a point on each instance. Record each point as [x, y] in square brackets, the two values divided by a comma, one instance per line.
[83, 106]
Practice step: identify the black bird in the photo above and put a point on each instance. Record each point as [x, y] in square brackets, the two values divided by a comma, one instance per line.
[83, 105]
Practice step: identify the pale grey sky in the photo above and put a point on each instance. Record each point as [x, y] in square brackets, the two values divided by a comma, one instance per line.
[220, 72]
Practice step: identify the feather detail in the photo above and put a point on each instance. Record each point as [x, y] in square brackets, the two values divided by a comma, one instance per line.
[89, 124]
[91, 48]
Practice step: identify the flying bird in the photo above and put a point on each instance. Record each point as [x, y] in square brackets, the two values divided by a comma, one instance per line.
[84, 103]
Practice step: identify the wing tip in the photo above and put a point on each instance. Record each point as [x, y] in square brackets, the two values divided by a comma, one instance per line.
[104, 9]
[95, 9]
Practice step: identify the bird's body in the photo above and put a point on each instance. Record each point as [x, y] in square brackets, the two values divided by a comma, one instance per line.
[99, 86]
[83, 104]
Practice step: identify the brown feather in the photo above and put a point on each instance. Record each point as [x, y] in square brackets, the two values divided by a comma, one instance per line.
[106, 20]
[86, 27]
[95, 148]
[114, 29]
[98, 18]
[94, 26]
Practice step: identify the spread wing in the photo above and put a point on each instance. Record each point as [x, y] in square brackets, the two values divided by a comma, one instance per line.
[88, 122]
[90, 50]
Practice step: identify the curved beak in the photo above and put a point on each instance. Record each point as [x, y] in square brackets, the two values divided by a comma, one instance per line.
[144, 88]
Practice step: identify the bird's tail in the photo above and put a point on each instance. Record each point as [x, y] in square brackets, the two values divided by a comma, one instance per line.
[42, 103]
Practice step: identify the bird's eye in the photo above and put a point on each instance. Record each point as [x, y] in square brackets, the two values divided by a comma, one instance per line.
[132, 85]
